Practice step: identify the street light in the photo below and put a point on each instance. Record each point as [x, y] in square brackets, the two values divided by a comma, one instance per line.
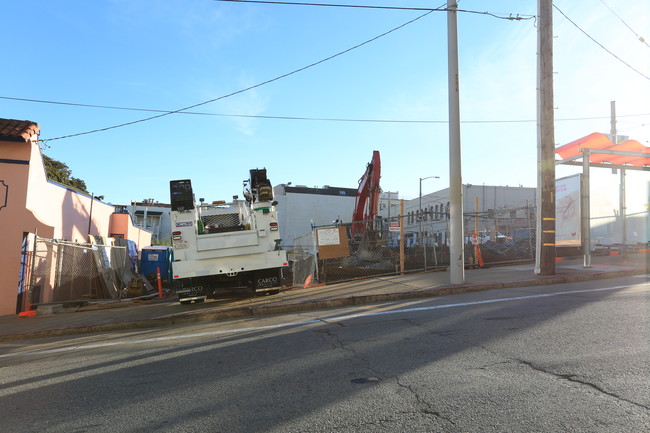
[424, 247]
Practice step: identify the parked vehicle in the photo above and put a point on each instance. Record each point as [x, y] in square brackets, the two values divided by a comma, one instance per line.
[226, 245]
[523, 233]
[484, 236]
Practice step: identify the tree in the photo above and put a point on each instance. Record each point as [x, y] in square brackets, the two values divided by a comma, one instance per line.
[61, 173]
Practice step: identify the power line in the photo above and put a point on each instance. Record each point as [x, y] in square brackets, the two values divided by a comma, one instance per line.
[322, 119]
[517, 17]
[295, 71]
[601, 45]
[111, 107]
[184, 109]
[330, 5]
[639, 37]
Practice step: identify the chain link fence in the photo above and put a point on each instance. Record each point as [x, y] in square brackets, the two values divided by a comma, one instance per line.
[303, 259]
[58, 271]
[343, 252]
[503, 236]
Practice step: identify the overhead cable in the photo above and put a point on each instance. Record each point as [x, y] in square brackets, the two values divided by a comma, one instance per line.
[322, 119]
[510, 17]
[601, 45]
[638, 36]
[295, 71]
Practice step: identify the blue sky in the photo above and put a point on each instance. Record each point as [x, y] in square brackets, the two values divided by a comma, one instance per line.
[166, 55]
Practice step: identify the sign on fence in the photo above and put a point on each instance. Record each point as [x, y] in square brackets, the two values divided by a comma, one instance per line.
[332, 243]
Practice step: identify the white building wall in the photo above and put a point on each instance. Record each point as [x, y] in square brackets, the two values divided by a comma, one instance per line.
[299, 206]
[154, 217]
[389, 204]
[490, 197]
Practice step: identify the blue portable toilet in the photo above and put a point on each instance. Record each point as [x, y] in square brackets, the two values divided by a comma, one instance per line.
[156, 256]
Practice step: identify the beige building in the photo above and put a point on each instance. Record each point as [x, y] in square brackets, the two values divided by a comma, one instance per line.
[30, 203]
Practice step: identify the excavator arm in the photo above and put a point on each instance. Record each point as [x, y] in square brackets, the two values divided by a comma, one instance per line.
[366, 203]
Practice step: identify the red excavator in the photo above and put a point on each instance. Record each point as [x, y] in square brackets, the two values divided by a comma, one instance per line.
[367, 200]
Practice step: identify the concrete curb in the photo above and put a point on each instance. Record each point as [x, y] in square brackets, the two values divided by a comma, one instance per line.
[344, 301]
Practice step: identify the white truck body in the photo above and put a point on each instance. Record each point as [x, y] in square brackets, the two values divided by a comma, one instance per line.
[226, 246]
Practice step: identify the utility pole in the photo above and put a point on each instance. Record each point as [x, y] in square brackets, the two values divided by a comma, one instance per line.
[612, 107]
[621, 194]
[585, 208]
[457, 245]
[402, 221]
[90, 216]
[545, 243]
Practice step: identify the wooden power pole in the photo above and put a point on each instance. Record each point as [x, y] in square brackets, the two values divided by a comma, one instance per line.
[545, 246]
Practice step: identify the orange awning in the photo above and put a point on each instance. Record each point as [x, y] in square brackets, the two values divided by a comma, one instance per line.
[598, 141]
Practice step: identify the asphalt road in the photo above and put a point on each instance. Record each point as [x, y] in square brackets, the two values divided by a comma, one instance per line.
[572, 358]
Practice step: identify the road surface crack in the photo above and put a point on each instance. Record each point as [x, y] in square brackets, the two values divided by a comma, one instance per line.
[426, 408]
[336, 343]
[493, 364]
[575, 379]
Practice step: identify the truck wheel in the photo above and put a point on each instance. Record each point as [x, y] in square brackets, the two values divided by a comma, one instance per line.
[185, 302]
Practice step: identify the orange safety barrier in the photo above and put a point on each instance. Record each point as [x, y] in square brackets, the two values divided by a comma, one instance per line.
[477, 250]
[28, 313]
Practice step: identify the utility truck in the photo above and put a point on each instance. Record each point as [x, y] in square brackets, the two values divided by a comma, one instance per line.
[223, 245]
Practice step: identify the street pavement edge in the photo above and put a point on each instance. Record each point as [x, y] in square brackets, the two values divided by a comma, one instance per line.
[343, 301]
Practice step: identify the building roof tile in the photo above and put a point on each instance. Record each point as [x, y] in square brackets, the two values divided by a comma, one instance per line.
[17, 130]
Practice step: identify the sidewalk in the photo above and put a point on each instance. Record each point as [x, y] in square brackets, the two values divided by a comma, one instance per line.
[134, 314]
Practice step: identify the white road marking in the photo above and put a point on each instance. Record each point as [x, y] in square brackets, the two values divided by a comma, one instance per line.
[305, 322]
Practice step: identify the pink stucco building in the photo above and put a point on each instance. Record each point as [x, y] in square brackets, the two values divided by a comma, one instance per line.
[29, 203]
